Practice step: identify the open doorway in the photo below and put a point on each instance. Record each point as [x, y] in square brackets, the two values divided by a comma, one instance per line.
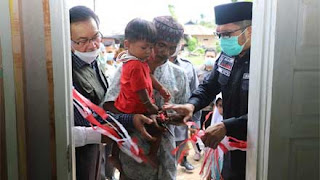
[283, 135]
[198, 37]
[266, 131]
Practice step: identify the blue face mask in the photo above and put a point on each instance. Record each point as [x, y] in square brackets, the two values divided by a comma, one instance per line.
[209, 62]
[109, 56]
[230, 45]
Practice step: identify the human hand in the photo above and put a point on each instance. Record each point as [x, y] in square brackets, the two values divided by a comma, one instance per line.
[152, 109]
[175, 119]
[192, 131]
[214, 134]
[139, 121]
[183, 109]
[165, 94]
[156, 127]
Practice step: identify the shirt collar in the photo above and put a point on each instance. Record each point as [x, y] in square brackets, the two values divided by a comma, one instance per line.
[246, 56]
[78, 63]
[163, 65]
[177, 61]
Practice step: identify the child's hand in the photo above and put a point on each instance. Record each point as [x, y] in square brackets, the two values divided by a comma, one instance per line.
[153, 109]
[165, 94]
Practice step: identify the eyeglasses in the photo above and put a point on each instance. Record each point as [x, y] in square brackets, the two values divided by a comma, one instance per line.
[84, 42]
[227, 34]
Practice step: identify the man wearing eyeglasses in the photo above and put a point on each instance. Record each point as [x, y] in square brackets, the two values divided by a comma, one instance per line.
[231, 77]
[89, 80]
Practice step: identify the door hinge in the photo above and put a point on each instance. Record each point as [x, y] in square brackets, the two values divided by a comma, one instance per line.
[69, 158]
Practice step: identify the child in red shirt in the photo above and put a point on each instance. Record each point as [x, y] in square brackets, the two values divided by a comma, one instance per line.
[136, 82]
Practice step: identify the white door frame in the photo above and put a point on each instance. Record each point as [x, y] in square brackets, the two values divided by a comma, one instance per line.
[261, 68]
[62, 77]
[63, 109]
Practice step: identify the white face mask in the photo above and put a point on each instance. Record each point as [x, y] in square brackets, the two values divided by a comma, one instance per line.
[87, 57]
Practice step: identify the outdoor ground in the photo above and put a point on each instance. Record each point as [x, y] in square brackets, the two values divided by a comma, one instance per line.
[195, 60]
[194, 175]
[181, 173]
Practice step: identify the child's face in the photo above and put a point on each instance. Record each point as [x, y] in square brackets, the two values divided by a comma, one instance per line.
[140, 49]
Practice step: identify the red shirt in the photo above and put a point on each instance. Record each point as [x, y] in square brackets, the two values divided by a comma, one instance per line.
[135, 76]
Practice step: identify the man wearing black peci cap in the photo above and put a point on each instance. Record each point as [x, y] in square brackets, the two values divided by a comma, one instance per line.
[231, 77]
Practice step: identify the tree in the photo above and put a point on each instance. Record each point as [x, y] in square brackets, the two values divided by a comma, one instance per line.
[172, 11]
[218, 47]
[192, 43]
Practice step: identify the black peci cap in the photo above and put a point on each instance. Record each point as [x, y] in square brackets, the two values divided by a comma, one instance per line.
[168, 29]
[233, 12]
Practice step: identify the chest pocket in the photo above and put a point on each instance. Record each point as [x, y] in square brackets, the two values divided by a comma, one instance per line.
[87, 87]
[245, 82]
[223, 80]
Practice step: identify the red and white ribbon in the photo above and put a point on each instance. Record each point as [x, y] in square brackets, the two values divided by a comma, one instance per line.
[211, 156]
[119, 135]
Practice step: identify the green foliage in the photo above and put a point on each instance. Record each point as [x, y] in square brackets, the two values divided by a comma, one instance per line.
[192, 43]
[172, 11]
[201, 51]
[218, 47]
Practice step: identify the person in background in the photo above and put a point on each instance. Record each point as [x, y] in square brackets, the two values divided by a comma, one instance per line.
[203, 71]
[213, 118]
[181, 132]
[217, 115]
[118, 53]
[110, 51]
[106, 59]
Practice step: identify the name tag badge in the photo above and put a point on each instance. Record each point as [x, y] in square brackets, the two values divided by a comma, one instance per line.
[245, 76]
[225, 64]
[224, 71]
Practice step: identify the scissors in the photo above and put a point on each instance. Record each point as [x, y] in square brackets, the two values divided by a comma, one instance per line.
[162, 120]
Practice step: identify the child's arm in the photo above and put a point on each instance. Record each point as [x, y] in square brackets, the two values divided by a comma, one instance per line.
[144, 98]
[158, 86]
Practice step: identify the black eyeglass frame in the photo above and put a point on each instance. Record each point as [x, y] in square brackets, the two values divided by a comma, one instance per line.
[228, 33]
[87, 41]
